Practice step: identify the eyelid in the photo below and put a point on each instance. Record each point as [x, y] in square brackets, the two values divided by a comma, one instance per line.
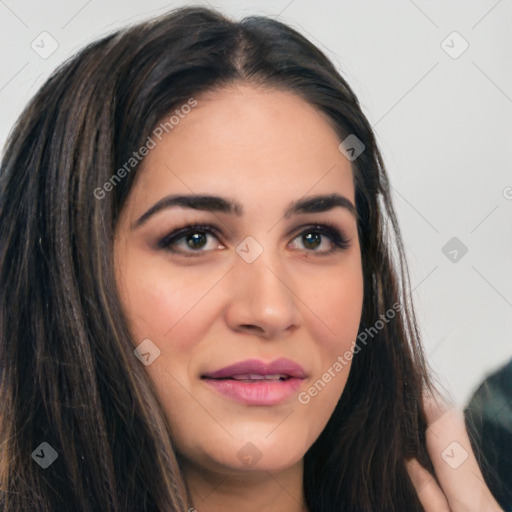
[335, 234]
[179, 232]
[319, 225]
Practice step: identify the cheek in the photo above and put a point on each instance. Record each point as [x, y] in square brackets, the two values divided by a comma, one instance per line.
[342, 304]
[337, 316]
[157, 302]
[337, 306]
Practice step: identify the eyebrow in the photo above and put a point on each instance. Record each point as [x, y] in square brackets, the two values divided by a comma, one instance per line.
[311, 204]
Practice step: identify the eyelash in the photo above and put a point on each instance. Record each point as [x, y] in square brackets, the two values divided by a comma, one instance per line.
[340, 242]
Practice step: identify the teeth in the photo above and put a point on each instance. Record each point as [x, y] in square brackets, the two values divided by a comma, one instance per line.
[276, 376]
[247, 376]
[254, 376]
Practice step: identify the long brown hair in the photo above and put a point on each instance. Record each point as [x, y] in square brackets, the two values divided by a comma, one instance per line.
[68, 374]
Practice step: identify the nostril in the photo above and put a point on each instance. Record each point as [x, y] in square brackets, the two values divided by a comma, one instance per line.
[251, 327]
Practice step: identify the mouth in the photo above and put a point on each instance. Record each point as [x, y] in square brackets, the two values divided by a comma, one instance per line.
[254, 382]
[254, 377]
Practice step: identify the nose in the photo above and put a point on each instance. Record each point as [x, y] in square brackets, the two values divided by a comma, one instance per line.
[263, 299]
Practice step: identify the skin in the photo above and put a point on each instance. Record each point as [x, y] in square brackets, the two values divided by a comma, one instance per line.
[205, 307]
[461, 487]
[264, 149]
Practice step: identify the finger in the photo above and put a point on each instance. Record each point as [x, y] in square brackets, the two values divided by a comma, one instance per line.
[454, 461]
[429, 493]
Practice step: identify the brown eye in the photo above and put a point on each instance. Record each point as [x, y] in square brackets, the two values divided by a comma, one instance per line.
[312, 238]
[190, 239]
[196, 240]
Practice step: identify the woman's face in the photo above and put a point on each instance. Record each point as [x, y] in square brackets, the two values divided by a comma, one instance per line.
[265, 284]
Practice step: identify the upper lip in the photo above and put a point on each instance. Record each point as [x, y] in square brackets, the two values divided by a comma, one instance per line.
[254, 366]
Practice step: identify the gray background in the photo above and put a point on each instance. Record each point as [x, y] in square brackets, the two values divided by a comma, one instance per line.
[443, 122]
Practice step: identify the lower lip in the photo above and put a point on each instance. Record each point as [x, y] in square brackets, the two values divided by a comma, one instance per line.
[259, 392]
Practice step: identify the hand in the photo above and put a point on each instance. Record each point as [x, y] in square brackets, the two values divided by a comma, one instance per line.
[462, 486]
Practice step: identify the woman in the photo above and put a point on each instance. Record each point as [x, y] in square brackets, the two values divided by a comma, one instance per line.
[204, 299]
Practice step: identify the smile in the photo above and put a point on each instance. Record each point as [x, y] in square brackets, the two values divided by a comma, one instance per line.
[254, 382]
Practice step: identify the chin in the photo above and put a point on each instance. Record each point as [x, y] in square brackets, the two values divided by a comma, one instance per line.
[250, 454]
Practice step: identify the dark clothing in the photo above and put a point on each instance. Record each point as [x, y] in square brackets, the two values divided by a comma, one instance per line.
[489, 423]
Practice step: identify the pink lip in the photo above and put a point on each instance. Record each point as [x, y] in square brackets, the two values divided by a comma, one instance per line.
[260, 392]
[282, 365]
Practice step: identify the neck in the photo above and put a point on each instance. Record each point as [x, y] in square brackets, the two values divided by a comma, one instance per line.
[250, 491]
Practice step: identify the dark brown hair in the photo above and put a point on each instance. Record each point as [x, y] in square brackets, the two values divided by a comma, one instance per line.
[68, 374]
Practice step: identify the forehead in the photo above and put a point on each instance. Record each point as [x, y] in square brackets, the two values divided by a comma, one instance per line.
[253, 142]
